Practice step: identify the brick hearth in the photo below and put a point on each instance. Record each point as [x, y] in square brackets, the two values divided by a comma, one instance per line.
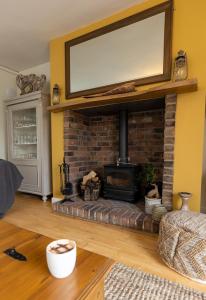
[109, 212]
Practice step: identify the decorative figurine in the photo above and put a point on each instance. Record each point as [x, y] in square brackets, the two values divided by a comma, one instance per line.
[121, 89]
[30, 83]
[180, 66]
[56, 95]
[185, 200]
[66, 185]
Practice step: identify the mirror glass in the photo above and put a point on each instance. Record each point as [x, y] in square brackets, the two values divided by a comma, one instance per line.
[132, 52]
[137, 48]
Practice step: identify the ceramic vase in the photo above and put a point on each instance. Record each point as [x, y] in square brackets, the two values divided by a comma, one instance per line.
[185, 197]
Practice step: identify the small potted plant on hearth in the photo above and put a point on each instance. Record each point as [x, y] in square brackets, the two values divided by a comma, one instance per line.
[152, 195]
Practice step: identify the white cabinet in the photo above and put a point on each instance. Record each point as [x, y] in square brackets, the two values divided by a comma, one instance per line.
[28, 141]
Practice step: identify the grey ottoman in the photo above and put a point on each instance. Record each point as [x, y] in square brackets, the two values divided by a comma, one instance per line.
[182, 243]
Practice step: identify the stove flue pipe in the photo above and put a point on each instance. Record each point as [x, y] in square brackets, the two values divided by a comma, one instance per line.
[123, 136]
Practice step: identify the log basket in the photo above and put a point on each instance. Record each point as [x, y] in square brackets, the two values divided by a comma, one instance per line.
[91, 191]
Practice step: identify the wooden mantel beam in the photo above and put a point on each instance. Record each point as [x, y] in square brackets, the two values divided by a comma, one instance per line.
[160, 91]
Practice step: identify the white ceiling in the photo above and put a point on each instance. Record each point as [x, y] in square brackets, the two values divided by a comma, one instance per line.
[27, 26]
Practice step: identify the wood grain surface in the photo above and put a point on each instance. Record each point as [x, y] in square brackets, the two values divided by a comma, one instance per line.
[156, 92]
[21, 280]
[134, 248]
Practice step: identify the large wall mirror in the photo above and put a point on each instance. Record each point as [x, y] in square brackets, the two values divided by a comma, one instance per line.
[137, 49]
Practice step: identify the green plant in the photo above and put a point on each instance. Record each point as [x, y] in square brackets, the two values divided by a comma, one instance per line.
[146, 179]
[148, 174]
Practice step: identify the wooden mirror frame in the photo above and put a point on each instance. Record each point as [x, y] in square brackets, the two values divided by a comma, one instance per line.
[166, 7]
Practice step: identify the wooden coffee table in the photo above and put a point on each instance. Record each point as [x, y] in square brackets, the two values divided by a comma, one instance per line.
[21, 280]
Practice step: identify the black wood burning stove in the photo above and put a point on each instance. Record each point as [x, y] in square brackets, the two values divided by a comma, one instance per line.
[120, 182]
[121, 179]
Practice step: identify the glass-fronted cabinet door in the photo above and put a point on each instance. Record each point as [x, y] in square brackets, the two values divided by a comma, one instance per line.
[23, 133]
[28, 141]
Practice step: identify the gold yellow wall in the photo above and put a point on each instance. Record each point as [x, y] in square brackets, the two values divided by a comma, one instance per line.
[188, 34]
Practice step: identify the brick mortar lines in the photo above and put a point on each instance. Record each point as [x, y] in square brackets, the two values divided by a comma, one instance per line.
[90, 135]
[169, 135]
[143, 127]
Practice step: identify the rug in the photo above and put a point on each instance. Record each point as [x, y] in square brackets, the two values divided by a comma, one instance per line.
[124, 283]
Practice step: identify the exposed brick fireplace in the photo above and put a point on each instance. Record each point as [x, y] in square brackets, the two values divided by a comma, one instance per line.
[93, 141]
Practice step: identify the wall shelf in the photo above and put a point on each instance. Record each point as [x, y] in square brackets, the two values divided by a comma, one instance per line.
[156, 92]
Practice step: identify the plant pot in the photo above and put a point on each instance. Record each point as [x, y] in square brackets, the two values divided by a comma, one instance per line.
[150, 203]
[158, 212]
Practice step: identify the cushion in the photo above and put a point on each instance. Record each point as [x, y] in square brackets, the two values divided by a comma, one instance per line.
[182, 243]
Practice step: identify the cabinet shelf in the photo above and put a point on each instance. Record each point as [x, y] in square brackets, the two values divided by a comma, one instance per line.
[25, 126]
[25, 144]
[26, 158]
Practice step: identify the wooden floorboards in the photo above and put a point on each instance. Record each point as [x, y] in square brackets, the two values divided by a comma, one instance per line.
[134, 248]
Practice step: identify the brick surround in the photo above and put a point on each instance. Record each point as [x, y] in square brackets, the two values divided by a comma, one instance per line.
[169, 142]
[92, 141]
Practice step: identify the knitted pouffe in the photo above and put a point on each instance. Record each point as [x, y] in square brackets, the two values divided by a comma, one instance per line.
[182, 243]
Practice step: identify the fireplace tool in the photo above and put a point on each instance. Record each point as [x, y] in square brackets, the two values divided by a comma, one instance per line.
[66, 185]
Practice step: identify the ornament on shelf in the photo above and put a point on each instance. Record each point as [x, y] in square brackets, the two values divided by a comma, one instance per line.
[56, 95]
[30, 83]
[180, 66]
[121, 89]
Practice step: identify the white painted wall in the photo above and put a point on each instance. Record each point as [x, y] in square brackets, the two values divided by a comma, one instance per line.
[7, 90]
[38, 70]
